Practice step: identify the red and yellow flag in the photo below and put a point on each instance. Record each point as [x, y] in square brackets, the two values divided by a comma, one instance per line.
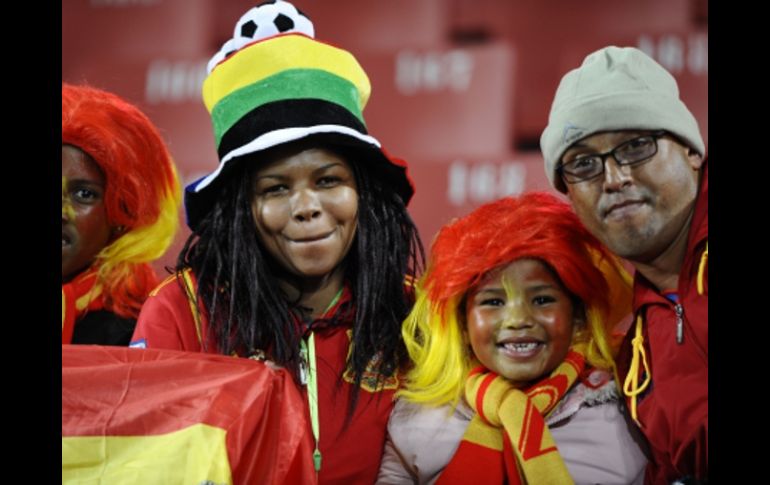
[162, 416]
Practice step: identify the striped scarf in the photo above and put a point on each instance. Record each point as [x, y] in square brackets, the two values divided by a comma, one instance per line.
[507, 441]
[78, 297]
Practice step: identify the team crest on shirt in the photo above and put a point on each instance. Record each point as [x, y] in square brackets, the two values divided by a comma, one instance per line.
[369, 379]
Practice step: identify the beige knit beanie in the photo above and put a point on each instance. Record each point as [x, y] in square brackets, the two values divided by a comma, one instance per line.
[614, 89]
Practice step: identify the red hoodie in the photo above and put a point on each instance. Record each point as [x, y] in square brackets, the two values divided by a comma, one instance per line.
[673, 410]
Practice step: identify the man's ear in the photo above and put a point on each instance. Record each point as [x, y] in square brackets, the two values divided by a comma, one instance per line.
[695, 159]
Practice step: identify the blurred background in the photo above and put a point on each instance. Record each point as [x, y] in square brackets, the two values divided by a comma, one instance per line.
[461, 89]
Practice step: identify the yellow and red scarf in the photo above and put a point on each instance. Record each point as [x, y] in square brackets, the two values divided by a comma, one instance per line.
[78, 297]
[508, 441]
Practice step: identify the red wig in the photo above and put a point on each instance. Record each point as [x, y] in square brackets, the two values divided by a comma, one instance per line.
[126, 146]
[142, 189]
[535, 225]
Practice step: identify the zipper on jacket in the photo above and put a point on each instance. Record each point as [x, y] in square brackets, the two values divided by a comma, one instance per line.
[679, 323]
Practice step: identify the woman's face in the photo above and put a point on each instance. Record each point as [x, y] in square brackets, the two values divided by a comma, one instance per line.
[305, 207]
[520, 321]
[84, 227]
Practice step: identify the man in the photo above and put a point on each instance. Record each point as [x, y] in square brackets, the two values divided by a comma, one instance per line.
[629, 155]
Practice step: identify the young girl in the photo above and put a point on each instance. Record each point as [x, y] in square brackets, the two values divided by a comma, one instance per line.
[301, 240]
[120, 203]
[512, 379]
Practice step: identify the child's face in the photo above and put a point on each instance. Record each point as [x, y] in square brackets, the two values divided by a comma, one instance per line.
[520, 321]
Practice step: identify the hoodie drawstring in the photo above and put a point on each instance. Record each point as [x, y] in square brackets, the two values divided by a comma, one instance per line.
[702, 268]
[631, 386]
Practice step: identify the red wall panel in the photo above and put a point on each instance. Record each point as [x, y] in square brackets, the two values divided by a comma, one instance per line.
[441, 102]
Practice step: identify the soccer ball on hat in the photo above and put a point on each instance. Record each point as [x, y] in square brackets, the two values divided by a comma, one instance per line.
[265, 20]
[269, 19]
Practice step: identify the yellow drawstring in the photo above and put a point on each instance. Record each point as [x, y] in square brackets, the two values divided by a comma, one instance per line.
[632, 379]
[702, 268]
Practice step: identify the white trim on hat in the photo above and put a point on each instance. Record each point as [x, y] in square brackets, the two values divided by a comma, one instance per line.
[277, 137]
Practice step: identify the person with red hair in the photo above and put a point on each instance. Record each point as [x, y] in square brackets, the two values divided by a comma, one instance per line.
[120, 202]
[512, 379]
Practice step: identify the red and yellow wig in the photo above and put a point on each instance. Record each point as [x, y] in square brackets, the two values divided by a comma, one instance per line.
[535, 225]
[142, 193]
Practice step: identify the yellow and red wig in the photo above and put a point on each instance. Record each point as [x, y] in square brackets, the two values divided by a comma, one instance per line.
[535, 225]
[142, 194]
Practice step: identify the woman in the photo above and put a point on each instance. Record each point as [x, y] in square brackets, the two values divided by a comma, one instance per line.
[301, 243]
[512, 379]
[120, 202]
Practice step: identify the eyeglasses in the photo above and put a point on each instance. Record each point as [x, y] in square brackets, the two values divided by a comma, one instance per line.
[590, 166]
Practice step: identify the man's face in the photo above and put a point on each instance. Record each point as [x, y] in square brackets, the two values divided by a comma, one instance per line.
[637, 211]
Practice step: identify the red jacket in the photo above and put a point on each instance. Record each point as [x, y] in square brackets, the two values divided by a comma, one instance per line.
[673, 410]
[350, 455]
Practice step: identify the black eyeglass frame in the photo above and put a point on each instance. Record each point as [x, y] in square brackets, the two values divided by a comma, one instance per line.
[603, 157]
